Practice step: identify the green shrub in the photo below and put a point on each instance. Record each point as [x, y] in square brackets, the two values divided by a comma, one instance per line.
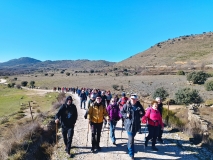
[24, 83]
[172, 120]
[187, 96]
[197, 77]
[180, 73]
[115, 86]
[160, 92]
[32, 83]
[209, 86]
[68, 73]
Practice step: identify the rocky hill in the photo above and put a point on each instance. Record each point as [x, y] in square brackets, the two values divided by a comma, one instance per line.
[183, 52]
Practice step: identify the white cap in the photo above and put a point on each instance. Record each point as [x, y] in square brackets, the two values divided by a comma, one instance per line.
[133, 96]
[157, 98]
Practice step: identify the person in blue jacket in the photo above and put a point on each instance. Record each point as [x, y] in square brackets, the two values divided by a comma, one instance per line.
[132, 113]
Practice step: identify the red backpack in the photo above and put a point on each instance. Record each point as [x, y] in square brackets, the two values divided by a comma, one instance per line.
[123, 101]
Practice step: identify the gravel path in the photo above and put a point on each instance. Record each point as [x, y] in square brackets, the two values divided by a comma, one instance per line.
[170, 150]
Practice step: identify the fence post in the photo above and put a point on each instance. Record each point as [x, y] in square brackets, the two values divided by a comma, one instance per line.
[167, 116]
[31, 111]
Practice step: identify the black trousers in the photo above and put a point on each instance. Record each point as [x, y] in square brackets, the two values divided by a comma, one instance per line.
[153, 133]
[67, 136]
[96, 134]
[160, 134]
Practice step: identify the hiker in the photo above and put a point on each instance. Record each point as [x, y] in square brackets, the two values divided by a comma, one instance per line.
[116, 98]
[143, 113]
[83, 98]
[131, 112]
[109, 96]
[154, 120]
[68, 115]
[90, 103]
[104, 102]
[114, 115]
[95, 92]
[160, 109]
[103, 98]
[121, 102]
[96, 114]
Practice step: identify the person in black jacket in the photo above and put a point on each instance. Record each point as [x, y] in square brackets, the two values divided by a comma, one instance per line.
[68, 115]
[160, 109]
[83, 98]
[132, 113]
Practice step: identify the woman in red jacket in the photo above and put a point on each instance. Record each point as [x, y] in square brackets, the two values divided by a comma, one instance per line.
[154, 119]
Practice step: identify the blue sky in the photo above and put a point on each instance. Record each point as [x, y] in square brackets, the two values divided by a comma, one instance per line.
[111, 30]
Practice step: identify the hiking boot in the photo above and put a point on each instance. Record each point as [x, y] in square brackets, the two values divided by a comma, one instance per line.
[68, 152]
[160, 141]
[146, 142]
[154, 148]
[99, 148]
[70, 155]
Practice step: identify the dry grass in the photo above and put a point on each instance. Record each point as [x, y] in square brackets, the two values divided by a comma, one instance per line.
[15, 138]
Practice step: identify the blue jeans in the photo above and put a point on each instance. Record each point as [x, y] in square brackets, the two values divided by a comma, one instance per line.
[83, 101]
[130, 144]
[112, 130]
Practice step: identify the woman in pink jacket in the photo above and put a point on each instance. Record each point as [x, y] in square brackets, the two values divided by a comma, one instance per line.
[154, 120]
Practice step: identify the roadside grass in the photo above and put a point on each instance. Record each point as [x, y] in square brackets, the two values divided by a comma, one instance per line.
[14, 100]
[10, 99]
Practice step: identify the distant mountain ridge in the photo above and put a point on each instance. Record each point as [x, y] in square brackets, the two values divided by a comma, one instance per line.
[27, 62]
[20, 61]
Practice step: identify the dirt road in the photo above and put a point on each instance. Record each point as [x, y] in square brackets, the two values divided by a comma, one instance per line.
[169, 150]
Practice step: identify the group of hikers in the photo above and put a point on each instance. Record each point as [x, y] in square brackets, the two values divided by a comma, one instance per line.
[102, 110]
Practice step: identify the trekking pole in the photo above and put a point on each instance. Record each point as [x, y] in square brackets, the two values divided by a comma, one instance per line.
[87, 133]
[56, 137]
[108, 135]
[145, 129]
[122, 124]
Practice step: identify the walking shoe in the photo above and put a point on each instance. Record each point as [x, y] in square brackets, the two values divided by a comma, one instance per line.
[160, 141]
[146, 143]
[154, 148]
[92, 150]
[114, 143]
[99, 148]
